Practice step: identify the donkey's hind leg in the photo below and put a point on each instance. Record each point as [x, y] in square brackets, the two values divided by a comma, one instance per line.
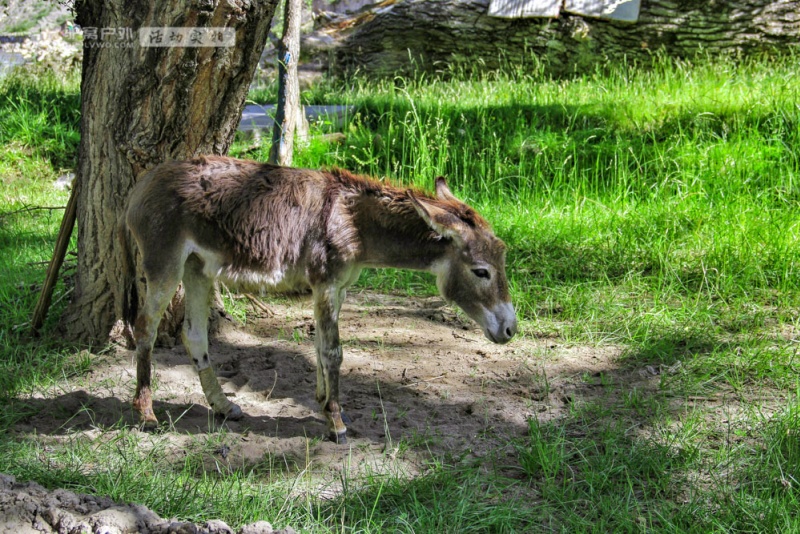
[327, 303]
[161, 287]
[199, 290]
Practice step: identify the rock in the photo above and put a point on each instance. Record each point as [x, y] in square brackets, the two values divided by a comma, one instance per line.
[6, 481]
[259, 527]
[28, 508]
[49, 50]
[215, 526]
[175, 527]
[119, 519]
[64, 182]
[35, 15]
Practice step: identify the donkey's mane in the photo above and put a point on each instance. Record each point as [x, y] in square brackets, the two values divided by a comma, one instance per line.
[394, 197]
[398, 199]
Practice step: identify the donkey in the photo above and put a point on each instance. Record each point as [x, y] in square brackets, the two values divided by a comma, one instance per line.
[290, 230]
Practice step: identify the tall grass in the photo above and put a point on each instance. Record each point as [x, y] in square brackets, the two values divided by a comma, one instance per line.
[652, 208]
[667, 195]
[39, 116]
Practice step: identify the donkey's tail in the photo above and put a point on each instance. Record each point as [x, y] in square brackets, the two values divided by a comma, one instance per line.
[128, 301]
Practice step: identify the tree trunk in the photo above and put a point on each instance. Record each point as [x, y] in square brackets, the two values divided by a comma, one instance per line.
[141, 106]
[411, 35]
[288, 108]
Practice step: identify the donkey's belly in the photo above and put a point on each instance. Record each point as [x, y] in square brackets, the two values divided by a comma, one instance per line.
[276, 282]
[287, 280]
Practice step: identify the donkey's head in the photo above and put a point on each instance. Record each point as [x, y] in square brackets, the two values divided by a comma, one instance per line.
[472, 273]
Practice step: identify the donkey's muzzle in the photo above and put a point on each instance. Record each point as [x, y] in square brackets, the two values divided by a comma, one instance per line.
[500, 323]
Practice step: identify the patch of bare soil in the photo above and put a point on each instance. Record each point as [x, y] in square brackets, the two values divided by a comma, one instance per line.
[418, 380]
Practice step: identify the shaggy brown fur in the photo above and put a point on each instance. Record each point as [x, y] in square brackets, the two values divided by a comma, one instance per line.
[274, 217]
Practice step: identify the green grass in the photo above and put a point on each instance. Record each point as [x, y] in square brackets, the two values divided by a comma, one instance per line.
[654, 210]
[666, 197]
[39, 117]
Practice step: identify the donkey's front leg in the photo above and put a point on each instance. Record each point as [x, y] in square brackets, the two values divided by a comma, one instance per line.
[199, 293]
[327, 302]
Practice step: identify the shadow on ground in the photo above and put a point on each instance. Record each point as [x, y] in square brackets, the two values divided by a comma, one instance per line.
[417, 378]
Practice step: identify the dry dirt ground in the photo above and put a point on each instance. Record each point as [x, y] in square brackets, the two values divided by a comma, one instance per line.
[418, 380]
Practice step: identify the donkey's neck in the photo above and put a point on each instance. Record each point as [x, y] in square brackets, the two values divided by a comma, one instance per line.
[392, 234]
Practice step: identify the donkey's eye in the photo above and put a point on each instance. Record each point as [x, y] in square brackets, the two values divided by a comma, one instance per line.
[481, 273]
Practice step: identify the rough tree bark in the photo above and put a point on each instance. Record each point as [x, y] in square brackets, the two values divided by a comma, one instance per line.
[405, 35]
[288, 110]
[139, 107]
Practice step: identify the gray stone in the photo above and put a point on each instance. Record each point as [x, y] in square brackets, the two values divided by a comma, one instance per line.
[119, 519]
[259, 527]
[28, 508]
[6, 481]
[64, 182]
[215, 526]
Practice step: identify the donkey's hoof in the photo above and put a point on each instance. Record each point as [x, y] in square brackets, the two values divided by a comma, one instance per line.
[338, 437]
[147, 419]
[234, 413]
[148, 424]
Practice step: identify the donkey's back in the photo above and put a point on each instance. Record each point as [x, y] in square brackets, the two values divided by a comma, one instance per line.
[243, 220]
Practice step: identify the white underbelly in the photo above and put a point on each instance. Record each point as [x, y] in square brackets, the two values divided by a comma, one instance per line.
[284, 280]
[278, 281]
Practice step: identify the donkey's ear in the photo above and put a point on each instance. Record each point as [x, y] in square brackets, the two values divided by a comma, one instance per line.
[442, 191]
[440, 220]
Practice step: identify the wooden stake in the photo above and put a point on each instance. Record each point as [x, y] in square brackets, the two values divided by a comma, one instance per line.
[64, 235]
